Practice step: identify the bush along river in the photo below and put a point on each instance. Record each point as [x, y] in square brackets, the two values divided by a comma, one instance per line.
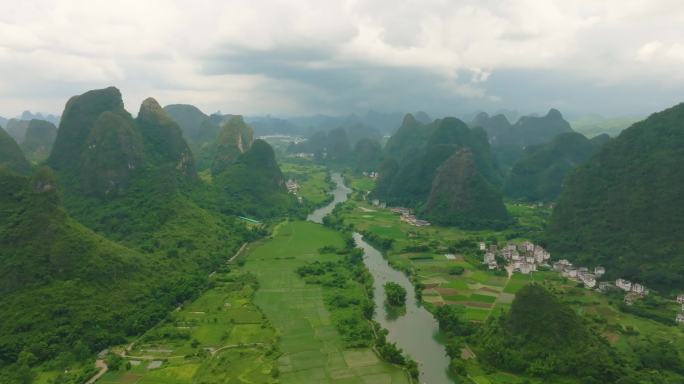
[414, 330]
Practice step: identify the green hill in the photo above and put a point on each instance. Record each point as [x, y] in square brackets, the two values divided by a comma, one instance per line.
[164, 138]
[623, 208]
[539, 174]
[197, 127]
[78, 119]
[235, 138]
[253, 184]
[461, 196]
[540, 336]
[11, 156]
[114, 152]
[367, 155]
[39, 138]
[412, 181]
[408, 139]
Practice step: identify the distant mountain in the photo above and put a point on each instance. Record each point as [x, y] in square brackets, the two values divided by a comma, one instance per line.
[508, 140]
[594, 125]
[28, 116]
[336, 145]
[17, 129]
[235, 138]
[11, 156]
[623, 208]
[411, 135]
[253, 184]
[442, 168]
[39, 138]
[197, 127]
[539, 174]
[367, 155]
[3, 122]
[462, 197]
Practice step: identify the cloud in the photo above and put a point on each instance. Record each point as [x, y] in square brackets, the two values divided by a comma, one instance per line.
[305, 56]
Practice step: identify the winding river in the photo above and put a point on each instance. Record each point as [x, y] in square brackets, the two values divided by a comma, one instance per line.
[414, 331]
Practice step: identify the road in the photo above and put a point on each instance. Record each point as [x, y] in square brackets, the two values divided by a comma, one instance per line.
[103, 369]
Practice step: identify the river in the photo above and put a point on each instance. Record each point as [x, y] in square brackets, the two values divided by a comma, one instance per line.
[414, 331]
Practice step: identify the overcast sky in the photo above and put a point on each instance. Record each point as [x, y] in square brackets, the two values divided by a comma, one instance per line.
[619, 57]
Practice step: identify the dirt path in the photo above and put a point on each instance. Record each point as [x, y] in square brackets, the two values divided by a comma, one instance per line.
[100, 364]
[237, 253]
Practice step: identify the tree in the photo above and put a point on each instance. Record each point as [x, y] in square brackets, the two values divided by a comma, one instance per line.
[396, 294]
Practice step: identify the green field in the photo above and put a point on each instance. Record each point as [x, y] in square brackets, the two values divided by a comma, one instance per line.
[312, 179]
[219, 337]
[312, 349]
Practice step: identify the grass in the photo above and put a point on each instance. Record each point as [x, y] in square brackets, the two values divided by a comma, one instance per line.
[223, 319]
[312, 179]
[312, 349]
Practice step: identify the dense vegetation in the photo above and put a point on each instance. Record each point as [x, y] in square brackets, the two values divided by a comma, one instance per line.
[461, 196]
[541, 336]
[622, 208]
[539, 174]
[11, 156]
[395, 294]
[137, 235]
[413, 174]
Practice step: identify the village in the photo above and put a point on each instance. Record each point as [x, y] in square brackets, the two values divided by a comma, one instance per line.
[527, 258]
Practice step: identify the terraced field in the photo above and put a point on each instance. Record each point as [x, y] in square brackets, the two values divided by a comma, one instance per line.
[312, 350]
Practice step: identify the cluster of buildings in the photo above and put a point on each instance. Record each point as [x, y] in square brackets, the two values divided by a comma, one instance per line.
[523, 258]
[680, 315]
[292, 186]
[583, 274]
[372, 175]
[408, 217]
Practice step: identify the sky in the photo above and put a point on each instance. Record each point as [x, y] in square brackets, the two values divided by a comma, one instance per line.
[297, 57]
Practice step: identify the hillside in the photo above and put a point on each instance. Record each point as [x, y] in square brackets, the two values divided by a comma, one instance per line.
[253, 184]
[462, 197]
[39, 138]
[56, 277]
[540, 336]
[539, 174]
[622, 208]
[235, 138]
[11, 156]
[197, 127]
[367, 155]
[414, 174]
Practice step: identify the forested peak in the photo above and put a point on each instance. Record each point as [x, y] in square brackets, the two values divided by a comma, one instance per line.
[409, 119]
[77, 121]
[260, 154]
[450, 130]
[234, 139]
[151, 111]
[538, 316]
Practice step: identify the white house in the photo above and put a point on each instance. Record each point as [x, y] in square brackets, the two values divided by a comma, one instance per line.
[680, 299]
[623, 284]
[599, 271]
[638, 288]
[488, 258]
[482, 246]
[680, 318]
[589, 280]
